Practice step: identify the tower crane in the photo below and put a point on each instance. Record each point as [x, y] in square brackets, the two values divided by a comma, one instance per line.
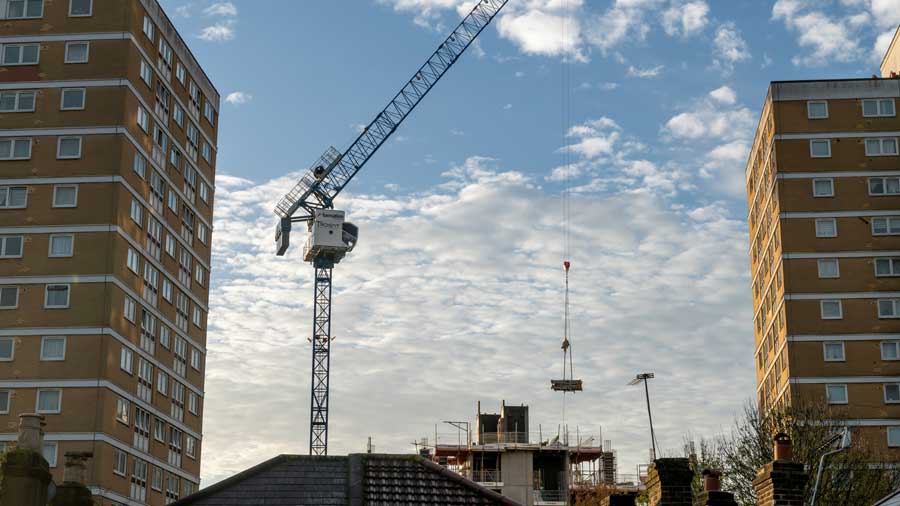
[328, 236]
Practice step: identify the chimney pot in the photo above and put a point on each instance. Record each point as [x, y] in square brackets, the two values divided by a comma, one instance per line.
[784, 449]
[711, 480]
[31, 432]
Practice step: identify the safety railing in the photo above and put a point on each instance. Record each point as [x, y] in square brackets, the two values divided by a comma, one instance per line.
[549, 496]
[530, 438]
[484, 475]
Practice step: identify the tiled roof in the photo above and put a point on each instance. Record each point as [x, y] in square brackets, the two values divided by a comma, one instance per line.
[356, 480]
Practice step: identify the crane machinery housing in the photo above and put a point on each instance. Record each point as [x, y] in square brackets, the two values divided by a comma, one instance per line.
[328, 236]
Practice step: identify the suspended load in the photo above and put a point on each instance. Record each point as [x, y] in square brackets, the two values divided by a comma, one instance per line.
[568, 383]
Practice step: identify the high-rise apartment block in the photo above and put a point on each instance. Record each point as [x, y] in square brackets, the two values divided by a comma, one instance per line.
[823, 184]
[108, 132]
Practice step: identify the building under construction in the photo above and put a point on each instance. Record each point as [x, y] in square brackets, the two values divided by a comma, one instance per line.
[533, 467]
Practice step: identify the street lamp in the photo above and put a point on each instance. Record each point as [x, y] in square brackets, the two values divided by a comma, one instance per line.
[639, 378]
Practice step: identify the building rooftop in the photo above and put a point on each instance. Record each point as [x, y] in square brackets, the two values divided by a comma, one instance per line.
[354, 480]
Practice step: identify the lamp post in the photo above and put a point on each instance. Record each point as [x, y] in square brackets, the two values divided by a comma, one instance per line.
[639, 378]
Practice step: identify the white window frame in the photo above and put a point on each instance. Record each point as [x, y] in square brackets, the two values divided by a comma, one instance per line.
[16, 288]
[87, 53]
[886, 400]
[21, 55]
[149, 28]
[133, 261]
[8, 404]
[37, 402]
[65, 206]
[838, 385]
[146, 73]
[884, 184]
[44, 357]
[4, 238]
[881, 142]
[837, 265]
[895, 306]
[896, 438]
[823, 179]
[809, 105]
[136, 213]
[891, 261]
[143, 119]
[5, 15]
[50, 253]
[90, 10]
[18, 94]
[120, 462]
[47, 296]
[126, 360]
[12, 349]
[55, 446]
[840, 306]
[59, 141]
[12, 148]
[888, 220]
[878, 102]
[832, 343]
[823, 220]
[812, 152]
[895, 344]
[62, 99]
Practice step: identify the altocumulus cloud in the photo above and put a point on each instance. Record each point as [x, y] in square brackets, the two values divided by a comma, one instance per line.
[454, 295]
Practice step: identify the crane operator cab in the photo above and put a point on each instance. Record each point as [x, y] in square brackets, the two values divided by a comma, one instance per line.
[329, 236]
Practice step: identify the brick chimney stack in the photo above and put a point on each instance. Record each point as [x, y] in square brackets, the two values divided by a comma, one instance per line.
[73, 491]
[712, 494]
[26, 475]
[781, 482]
[669, 482]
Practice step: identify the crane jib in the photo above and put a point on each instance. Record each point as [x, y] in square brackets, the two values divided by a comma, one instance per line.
[321, 190]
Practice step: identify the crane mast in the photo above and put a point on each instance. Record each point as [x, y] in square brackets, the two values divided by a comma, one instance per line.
[311, 201]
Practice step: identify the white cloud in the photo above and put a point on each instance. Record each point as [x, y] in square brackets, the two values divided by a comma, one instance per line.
[183, 11]
[886, 13]
[724, 95]
[730, 45]
[685, 19]
[240, 98]
[882, 43]
[419, 290]
[219, 32]
[540, 32]
[224, 9]
[507, 107]
[645, 73]
[826, 37]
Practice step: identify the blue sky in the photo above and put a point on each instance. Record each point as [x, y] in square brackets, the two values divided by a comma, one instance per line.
[454, 294]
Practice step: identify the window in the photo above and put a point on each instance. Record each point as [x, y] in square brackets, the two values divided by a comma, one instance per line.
[823, 187]
[53, 349]
[162, 383]
[65, 195]
[137, 212]
[21, 54]
[195, 358]
[834, 352]
[77, 52]
[820, 148]
[893, 436]
[17, 101]
[120, 463]
[140, 165]
[180, 73]
[873, 108]
[179, 362]
[190, 447]
[204, 192]
[4, 404]
[197, 318]
[194, 92]
[836, 394]
[887, 267]
[49, 401]
[7, 349]
[207, 152]
[148, 332]
[138, 480]
[175, 158]
[890, 350]
[80, 7]
[193, 403]
[173, 201]
[9, 297]
[881, 147]
[50, 452]
[167, 290]
[199, 274]
[156, 482]
[17, 9]
[826, 227]
[61, 245]
[159, 430]
[885, 226]
[889, 308]
[164, 336]
[892, 393]
[129, 309]
[72, 99]
[201, 234]
[68, 148]
[170, 245]
[209, 113]
[178, 115]
[829, 268]
[817, 109]
[143, 119]
[181, 313]
[145, 381]
[149, 29]
[831, 309]
[884, 186]
[56, 297]
[11, 246]
[146, 73]
[151, 284]
[133, 260]
[126, 360]
[15, 149]
[13, 197]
